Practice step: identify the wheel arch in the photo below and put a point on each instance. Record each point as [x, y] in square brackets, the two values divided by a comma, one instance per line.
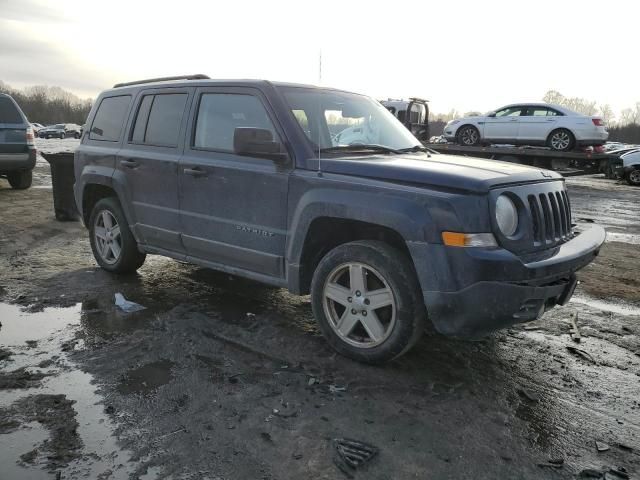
[325, 233]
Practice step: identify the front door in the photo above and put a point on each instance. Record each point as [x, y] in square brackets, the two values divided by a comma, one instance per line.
[503, 126]
[148, 166]
[233, 208]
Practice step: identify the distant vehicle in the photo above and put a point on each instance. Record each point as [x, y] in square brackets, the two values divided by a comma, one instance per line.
[61, 130]
[36, 127]
[631, 167]
[247, 177]
[17, 148]
[529, 124]
[417, 120]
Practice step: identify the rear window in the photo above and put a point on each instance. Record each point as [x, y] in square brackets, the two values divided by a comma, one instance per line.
[109, 118]
[8, 112]
[159, 118]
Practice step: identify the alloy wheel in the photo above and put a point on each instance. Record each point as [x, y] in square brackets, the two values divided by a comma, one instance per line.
[634, 176]
[560, 140]
[359, 304]
[469, 136]
[107, 237]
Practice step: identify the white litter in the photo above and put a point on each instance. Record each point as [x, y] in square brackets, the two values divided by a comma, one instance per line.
[126, 305]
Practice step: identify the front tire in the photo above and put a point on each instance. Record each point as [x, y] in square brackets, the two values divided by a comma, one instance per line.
[633, 177]
[468, 136]
[114, 246]
[367, 301]
[561, 140]
[62, 135]
[20, 180]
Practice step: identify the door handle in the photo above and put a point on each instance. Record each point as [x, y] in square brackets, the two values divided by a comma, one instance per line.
[129, 163]
[550, 120]
[513, 120]
[195, 172]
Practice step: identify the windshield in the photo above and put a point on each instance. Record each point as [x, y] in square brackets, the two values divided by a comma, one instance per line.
[333, 119]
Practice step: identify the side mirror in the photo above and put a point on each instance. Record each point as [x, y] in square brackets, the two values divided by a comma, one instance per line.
[492, 114]
[256, 142]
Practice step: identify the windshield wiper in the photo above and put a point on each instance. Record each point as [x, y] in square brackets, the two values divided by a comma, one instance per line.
[358, 147]
[416, 148]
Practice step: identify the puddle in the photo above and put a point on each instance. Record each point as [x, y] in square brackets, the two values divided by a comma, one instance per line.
[147, 377]
[36, 343]
[620, 308]
[19, 327]
[12, 445]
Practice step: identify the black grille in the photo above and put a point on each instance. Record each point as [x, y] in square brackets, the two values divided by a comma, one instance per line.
[551, 217]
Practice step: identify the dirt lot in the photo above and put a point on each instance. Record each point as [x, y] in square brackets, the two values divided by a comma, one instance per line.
[223, 378]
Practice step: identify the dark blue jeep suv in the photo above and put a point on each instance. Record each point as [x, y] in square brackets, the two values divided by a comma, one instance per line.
[251, 178]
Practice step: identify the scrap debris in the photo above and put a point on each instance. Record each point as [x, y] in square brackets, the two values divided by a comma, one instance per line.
[352, 454]
[601, 446]
[574, 331]
[581, 353]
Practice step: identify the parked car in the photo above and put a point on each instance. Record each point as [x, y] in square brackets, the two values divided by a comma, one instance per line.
[17, 148]
[245, 177]
[631, 167]
[529, 124]
[36, 127]
[61, 130]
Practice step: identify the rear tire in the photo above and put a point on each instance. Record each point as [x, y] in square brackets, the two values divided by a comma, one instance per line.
[62, 135]
[76, 135]
[20, 180]
[114, 246]
[561, 140]
[468, 136]
[345, 307]
[633, 177]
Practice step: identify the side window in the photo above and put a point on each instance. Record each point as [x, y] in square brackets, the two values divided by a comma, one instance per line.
[109, 118]
[538, 112]
[219, 114]
[509, 112]
[165, 118]
[8, 112]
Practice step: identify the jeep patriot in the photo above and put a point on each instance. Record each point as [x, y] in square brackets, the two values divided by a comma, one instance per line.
[249, 177]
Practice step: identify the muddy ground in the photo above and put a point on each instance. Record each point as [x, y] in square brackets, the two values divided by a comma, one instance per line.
[224, 378]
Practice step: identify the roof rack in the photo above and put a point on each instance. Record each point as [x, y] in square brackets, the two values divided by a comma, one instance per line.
[198, 76]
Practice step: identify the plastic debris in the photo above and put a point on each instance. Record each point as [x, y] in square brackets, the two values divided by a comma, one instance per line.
[602, 447]
[336, 389]
[351, 454]
[126, 305]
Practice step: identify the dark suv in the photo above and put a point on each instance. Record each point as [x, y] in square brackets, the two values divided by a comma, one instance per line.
[17, 149]
[60, 130]
[247, 177]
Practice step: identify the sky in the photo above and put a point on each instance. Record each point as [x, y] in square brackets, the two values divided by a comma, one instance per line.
[462, 55]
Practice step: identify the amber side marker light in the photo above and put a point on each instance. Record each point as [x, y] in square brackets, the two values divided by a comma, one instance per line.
[456, 239]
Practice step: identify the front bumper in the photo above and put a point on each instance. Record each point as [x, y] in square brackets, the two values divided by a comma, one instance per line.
[472, 291]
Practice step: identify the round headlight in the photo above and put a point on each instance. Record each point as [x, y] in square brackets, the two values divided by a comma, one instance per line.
[506, 215]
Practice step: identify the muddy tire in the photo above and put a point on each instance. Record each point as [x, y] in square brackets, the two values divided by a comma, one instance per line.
[468, 136]
[561, 140]
[633, 177]
[62, 135]
[367, 301]
[113, 245]
[76, 135]
[20, 180]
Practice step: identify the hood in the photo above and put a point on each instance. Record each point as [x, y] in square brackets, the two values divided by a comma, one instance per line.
[447, 171]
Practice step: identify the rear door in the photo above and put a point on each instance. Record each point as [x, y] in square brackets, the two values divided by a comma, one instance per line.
[536, 123]
[13, 130]
[233, 208]
[148, 165]
[504, 125]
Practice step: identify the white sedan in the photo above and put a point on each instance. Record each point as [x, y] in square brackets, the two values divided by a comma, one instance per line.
[529, 124]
